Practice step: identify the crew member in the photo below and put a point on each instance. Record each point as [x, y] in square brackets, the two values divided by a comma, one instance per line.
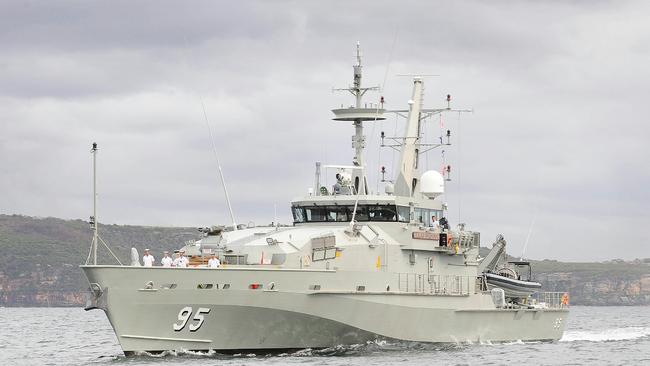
[148, 259]
[177, 260]
[166, 261]
[182, 259]
[338, 185]
[214, 261]
[435, 226]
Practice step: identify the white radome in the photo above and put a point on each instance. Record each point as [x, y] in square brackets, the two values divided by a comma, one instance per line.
[390, 189]
[432, 184]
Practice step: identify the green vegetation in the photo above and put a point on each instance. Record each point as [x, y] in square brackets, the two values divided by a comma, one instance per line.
[45, 253]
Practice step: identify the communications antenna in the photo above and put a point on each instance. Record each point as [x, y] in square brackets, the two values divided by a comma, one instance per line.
[214, 147]
[398, 142]
[94, 223]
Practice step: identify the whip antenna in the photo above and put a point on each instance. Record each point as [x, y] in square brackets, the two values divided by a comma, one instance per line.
[214, 147]
[216, 156]
[530, 231]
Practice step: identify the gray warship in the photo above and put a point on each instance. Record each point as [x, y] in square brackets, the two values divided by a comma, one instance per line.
[354, 267]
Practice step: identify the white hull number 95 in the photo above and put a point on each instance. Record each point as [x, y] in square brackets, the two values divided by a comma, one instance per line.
[185, 314]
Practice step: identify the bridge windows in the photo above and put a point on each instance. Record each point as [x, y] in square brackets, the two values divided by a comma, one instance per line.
[423, 215]
[376, 212]
[403, 214]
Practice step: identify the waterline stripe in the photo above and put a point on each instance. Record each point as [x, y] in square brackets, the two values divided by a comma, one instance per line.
[166, 339]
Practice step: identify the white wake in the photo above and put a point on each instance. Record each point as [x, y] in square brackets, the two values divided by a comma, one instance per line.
[614, 334]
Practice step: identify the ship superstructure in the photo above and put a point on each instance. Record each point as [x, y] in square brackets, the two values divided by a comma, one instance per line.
[355, 266]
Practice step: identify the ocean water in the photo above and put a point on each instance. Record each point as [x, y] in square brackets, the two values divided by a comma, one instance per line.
[71, 336]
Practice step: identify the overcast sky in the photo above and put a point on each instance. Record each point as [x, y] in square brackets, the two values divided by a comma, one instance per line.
[558, 137]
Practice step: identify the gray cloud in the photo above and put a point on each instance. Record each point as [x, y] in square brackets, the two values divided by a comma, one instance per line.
[558, 90]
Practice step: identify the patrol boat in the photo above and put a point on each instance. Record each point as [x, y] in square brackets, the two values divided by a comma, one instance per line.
[355, 266]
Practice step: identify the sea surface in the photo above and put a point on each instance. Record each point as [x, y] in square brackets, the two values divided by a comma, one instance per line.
[71, 336]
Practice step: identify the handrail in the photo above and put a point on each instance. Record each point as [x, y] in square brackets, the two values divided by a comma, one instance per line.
[444, 285]
[552, 300]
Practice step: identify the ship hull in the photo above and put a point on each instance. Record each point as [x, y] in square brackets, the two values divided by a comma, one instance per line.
[147, 317]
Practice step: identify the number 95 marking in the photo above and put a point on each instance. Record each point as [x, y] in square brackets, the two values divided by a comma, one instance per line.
[184, 316]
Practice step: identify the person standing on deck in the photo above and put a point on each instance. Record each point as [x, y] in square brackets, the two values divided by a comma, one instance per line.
[148, 259]
[177, 259]
[214, 262]
[182, 260]
[166, 261]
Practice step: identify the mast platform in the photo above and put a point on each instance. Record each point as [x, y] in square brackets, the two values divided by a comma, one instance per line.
[358, 114]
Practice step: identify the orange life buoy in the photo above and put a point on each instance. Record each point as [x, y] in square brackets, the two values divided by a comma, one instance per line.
[565, 299]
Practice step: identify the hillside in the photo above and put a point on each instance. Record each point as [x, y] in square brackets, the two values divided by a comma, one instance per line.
[40, 256]
[608, 283]
[40, 259]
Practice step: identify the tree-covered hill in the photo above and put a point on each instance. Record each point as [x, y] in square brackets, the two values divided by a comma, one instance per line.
[42, 255]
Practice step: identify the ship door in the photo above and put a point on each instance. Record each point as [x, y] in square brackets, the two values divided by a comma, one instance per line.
[430, 269]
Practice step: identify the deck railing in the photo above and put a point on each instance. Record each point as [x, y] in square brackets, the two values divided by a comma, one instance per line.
[444, 285]
[553, 300]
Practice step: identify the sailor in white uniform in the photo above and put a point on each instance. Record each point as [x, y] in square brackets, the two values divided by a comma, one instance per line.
[148, 259]
[435, 226]
[177, 259]
[214, 262]
[166, 261]
[182, 260]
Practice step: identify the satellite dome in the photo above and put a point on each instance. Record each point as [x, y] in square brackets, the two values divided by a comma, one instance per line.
[432, 184]
[390, 189]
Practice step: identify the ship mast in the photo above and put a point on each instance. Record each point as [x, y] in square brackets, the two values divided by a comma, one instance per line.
[357, 115]
[94, 223]
[410, 146]
[93, 218]
[408, 164]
